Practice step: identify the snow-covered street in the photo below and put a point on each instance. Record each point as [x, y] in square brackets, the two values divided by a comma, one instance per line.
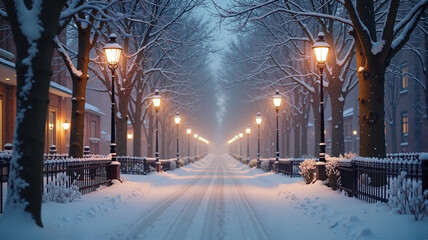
[219, 198]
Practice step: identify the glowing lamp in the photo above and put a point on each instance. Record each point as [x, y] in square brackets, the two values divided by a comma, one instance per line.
[258, 119]
[177, 118]
[156, 100]
[321, 49]
[277, 99]
[112, 50]
[66, 125]
[248, 129]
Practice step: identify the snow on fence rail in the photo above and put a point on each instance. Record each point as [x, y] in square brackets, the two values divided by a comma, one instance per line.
[90, 172]
[369, 179]
[287, 166]
[144, 165]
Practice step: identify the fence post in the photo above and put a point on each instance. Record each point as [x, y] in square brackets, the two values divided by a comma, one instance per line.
[8, 147]
[320, 170]
[86, 150]
[424, 166]
[52, 149]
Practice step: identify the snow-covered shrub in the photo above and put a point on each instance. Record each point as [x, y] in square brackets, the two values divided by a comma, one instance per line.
[265, 165]
[172, 165]
[57, 191]
[152, 169]
[333, 173]
[181, 162]
[308, 170]
[350, 155]
[364, 179]
[253, 163]
[191, 159]
[406, 197]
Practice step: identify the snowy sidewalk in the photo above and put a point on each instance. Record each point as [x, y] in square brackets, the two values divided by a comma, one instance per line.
[219, 198]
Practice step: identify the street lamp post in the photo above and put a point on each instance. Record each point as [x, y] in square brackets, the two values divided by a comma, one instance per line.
[248, 130]
[258, 121]
[321, 50]
[189, 131]
[177, 120]
[236, 139]
[156, 104]
[241, 135]
[195, 136]
[113, 50]
[200, 145]
[277, 103]
[355, 140]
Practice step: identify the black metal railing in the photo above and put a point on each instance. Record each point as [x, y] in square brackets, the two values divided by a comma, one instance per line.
[369, 180]
[89, 172]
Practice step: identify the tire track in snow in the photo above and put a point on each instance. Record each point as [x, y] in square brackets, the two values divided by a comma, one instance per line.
[249, 221]
[213, 227]
[180, 225]
[148, 220]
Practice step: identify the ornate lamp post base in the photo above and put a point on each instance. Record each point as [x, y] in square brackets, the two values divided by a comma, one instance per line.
[158, 166]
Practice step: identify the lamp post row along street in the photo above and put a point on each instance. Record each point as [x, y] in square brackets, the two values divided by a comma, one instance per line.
[156, 104]
[177, 120]
[321, 50]
[248, 130]
[258, 121]
[113, 50]
[277, 103]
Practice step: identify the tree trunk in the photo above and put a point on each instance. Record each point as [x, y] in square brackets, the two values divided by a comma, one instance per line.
[149, 135]
[316, 112]
[122, 123]
[137, 138]
[304, 135]
[287, 142]
[163, 138]
[371, 104]
[337, 138]
[79, 94]
[297, 138]
[33, 70]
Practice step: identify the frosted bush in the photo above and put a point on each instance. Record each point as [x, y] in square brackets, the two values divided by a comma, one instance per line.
[191, 159]
[333, 173]
[181, 162]
[57, 191]
[308, 170]
[406, 197]
[350, 155]
[253, 163]
[172, 165]
[265, 165]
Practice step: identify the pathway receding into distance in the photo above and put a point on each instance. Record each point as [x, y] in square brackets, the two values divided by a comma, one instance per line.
[220, 198]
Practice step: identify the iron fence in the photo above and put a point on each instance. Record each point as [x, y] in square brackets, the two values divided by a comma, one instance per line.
[88, 173]
[369, 180]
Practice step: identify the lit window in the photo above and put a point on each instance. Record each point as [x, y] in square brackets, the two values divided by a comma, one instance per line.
[404, 126]
[51, 127]
[404, 77]
[94, 128]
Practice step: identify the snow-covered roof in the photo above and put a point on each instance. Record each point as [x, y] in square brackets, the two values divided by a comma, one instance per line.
[8, 76]
[91, 108]
[346, 113]
[60, 90]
